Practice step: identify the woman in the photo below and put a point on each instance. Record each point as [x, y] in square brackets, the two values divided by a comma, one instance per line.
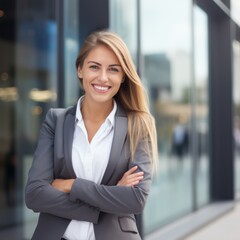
[92, 168]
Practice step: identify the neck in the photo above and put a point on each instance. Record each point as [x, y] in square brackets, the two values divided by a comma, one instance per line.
[96, 112]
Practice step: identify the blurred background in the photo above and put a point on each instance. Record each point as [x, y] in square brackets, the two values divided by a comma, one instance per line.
[188, 56]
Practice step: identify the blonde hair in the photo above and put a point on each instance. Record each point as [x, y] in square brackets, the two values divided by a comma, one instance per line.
[131, 96]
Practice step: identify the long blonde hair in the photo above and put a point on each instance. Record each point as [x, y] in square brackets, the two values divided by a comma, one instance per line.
[131, 96]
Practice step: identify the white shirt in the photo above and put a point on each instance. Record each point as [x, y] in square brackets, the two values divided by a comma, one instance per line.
[89, 162]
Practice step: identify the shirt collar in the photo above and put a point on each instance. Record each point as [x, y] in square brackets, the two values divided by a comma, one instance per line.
[110, 118]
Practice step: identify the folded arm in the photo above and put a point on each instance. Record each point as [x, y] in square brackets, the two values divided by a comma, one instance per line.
[117, 199]
[40, 195]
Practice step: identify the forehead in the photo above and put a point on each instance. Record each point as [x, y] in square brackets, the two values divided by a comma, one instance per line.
[102, 53]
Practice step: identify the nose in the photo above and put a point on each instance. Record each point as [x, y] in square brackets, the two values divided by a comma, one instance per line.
[104, 75]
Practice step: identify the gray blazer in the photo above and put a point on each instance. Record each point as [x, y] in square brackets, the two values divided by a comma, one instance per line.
[109, 207]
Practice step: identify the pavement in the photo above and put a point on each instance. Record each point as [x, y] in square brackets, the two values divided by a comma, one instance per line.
[226, 227]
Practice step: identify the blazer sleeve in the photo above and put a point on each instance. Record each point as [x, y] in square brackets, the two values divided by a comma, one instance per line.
[40, 196]
[117, 199]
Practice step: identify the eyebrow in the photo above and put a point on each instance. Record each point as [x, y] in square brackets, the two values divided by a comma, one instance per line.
[111, 65]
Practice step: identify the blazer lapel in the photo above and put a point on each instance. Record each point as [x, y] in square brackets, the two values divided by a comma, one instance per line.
[120, 132]
[69, 125]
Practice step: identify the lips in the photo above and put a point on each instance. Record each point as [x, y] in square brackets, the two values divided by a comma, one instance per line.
[100, 88]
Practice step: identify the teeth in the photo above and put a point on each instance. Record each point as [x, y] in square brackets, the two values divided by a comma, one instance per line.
[101, 88]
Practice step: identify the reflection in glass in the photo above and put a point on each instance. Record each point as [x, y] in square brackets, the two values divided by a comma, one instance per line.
[36, 81]
[235, 10]
[71, 49]
[236, 117]
[8, 96]
[166, 50]
[123, 20]
[201, 129]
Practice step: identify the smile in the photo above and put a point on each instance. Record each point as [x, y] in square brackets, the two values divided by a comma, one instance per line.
[100, 88]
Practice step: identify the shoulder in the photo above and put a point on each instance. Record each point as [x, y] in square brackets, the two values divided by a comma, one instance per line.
[58, 113]
[121, 112]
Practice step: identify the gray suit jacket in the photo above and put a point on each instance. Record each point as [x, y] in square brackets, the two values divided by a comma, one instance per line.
[111, 208]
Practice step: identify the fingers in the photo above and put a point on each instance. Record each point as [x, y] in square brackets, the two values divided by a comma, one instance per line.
[132, 174]
[131, 177]
[131, 170]
[135, 175]
[134, 180]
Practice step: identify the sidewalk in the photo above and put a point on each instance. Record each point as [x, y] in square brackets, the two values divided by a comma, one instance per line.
[226, 227]
[204, 224]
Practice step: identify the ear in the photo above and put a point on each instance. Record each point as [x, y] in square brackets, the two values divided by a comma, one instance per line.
[79, 72]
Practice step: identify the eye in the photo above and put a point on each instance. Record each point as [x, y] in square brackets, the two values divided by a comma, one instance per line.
[114, 69]
[94, 67]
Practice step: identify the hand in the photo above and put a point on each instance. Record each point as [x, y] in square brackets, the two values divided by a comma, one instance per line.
[63, 185]
[130, 178]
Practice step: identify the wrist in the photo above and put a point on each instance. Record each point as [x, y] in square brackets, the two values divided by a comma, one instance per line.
[69, 185]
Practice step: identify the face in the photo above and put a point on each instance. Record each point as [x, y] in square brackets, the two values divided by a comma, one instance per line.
[102, 75]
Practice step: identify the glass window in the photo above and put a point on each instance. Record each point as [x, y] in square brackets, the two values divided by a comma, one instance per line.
[35, 78]
[201, 113]
[166, 50]
[235, 10]
[71, 49]
[28, 88]
[123, 20]
[236, 112]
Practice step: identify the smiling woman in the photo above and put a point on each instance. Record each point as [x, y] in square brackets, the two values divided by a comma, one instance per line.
[101, 76]
[92, 168]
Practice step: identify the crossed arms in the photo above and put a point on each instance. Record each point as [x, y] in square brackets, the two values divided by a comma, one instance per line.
[78, 198]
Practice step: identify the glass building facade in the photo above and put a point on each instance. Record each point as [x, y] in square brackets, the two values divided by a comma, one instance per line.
[188, 56]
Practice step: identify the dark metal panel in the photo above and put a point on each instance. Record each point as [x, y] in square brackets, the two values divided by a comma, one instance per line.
[237, 36]
[93, 16]
[60, 52]
[214, 8]
[221, 164]
[226, 2]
